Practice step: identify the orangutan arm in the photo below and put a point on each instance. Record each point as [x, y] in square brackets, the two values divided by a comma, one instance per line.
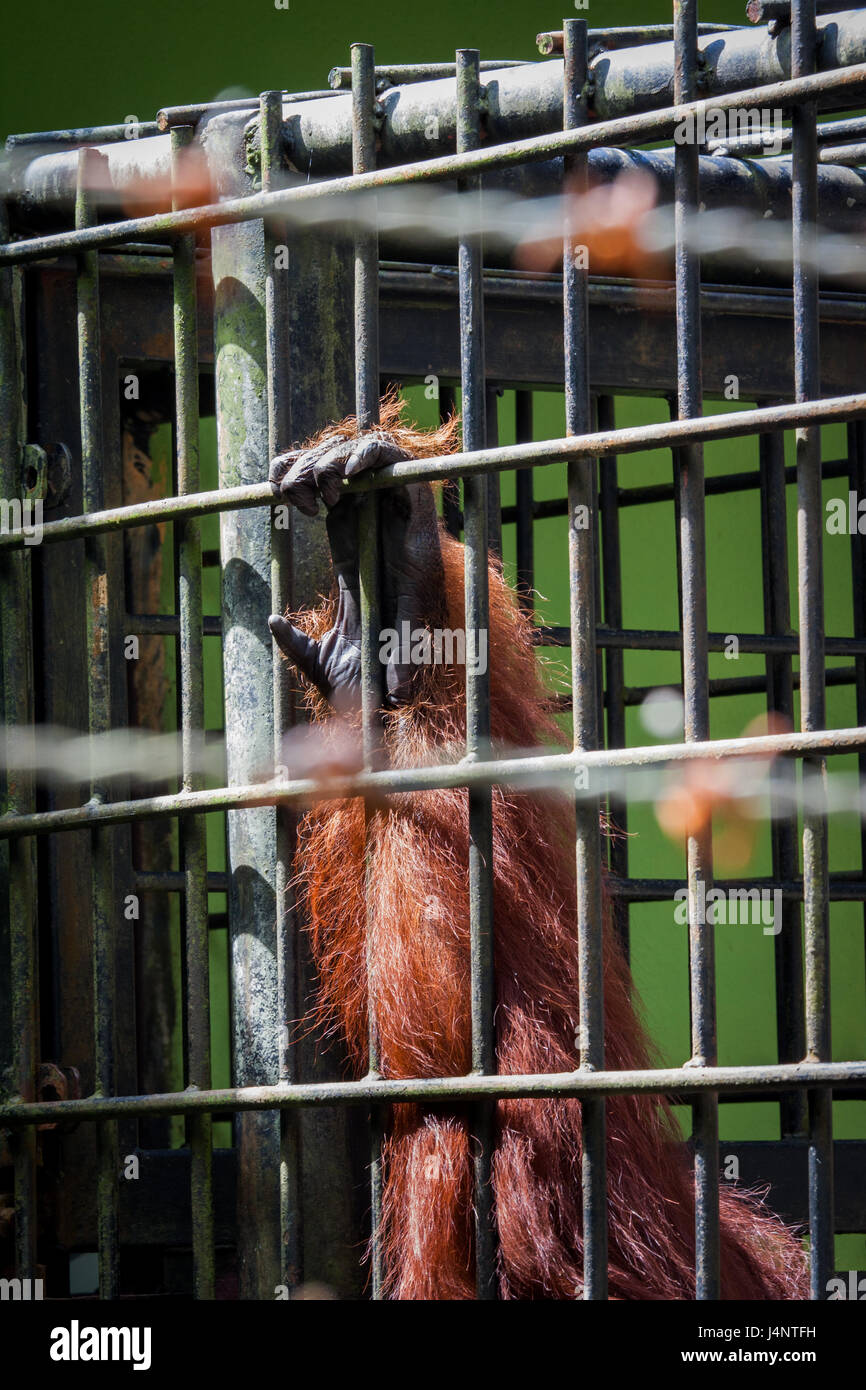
[411, 564]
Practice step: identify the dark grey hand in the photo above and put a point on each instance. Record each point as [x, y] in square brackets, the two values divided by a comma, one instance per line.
[411, 562]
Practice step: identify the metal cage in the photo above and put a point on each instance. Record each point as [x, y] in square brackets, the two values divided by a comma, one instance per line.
[108, 275]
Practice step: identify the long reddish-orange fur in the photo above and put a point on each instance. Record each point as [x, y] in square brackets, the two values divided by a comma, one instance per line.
[418, 852]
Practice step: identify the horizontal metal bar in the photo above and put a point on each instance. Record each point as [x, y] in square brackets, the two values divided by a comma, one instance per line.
[627, 441]
[174, 881]
[682, 1082]
[169, 116]
[624, 36]
[827, 133]
[168, 624]
[652, 890]
[415, 72]
[724, 687]
[760, 11]
[644, 127]
[529, 771]
[752, 643]
[850, 155]
[85, 135]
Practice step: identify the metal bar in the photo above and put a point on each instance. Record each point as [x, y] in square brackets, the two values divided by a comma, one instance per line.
[85, 135]
[548, 451]
[627, 130]
[719, 485]
[690, 468]
[168, 624]
[174, 881]
[477, 620]
[760, 11]
[810, 533]
[610, 502]
[279, 439]
[780, 685]
[729, 686]
[240, 371]
[367, 413]
[529, 771]
[170, 116]
[19, 1047]
[193, 836]
[623, 36]
[525, 507]
[494, 503]
[582, 497]
[414, 72]
[98, 637]
[682, 1082]
[827, 133]
[857, 482]
[842, 889]
[451, 514]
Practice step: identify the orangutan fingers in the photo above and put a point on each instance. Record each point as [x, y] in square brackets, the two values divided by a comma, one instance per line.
[300, 649]
[373, 450]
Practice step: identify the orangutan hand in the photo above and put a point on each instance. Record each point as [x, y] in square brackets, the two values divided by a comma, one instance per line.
[411, 565]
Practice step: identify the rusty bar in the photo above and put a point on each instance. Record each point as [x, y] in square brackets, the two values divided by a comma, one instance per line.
[192, 828]
[19, 1008]
[367, 411]
[813, 709]
[477, 622]
[279, 439]
[582, 508]
[98, 637]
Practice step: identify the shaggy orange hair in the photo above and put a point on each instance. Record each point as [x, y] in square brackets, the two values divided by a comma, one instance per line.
[418, 850]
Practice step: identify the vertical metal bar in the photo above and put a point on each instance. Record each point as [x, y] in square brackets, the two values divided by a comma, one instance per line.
[857, 484]
[582, 509]
[695, 667]
[367, 411]
[279, 439]
[475, 501]
[614, 663]
[240, 369]
[451, 489]
[494, 505]
[524, 500]
[18, 933]
[780, 697]
[810, 532]
[192, 828]
[99, 719]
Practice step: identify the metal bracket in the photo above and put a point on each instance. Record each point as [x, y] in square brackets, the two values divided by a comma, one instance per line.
[46, 473]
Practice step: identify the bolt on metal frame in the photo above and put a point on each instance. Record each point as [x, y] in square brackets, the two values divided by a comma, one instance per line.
[268, 1096]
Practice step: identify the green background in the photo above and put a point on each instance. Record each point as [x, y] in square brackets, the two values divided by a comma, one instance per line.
[100, 62]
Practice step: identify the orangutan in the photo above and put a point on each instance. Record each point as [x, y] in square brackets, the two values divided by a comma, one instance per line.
[414, 851]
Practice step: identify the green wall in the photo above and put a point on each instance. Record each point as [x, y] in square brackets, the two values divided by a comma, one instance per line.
[99, 62]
